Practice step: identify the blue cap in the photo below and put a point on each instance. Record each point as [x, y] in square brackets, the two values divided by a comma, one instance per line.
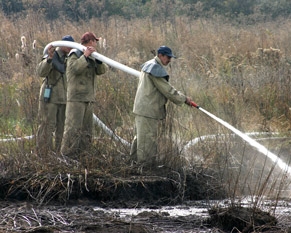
[68, 38]
[166, 51]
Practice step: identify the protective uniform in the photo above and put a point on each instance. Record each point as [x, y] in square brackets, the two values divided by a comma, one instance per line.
[81, 90]
[52, 112]
[152, 94]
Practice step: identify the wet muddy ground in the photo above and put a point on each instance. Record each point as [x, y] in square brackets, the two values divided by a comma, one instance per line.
[88, 216]
[97, 207]
[137, 204]
[73, 203]
[83, 217]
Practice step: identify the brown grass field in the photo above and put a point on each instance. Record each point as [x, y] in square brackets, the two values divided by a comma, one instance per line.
[239, 73]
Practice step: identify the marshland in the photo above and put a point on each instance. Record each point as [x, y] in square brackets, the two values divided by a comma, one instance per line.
[233, 59]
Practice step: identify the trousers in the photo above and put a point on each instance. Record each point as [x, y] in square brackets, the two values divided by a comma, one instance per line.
[78, 132]
[144, 147]
[51, 126]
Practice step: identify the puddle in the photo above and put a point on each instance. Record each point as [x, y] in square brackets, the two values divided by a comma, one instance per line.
[172, 211]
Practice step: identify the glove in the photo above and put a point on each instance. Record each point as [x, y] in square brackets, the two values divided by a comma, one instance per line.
[188, 101]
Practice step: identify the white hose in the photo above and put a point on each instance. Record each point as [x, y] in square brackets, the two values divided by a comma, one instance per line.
[16, 139]
[96, 55]
[109, 62]
[109, 131]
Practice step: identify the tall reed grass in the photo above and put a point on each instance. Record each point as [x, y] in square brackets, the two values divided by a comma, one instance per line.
[218, 65]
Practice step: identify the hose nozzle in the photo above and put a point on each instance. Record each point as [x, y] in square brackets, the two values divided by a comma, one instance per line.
[192, 103]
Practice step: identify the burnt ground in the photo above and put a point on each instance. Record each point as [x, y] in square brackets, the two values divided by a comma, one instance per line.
[55, 194]
[81, 217]
[163, 187]
[65, 203]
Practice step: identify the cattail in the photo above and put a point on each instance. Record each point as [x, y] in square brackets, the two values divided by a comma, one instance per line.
[18, 103]
[23, 43]
[104, 44]
[100, 42]
[34, 44]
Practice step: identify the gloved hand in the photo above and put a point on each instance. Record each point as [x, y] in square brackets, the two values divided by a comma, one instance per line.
[191, 103]
[188, 101]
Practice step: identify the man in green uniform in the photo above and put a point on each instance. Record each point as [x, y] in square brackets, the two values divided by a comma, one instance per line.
[81, 91]
[52, 98]
[153, 92]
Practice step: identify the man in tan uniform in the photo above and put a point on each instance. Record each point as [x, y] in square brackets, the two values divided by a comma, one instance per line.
[153, 92]
[81, 91]
[52, 98]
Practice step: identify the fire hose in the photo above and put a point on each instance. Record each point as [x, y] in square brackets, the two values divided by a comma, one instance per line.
[136, 73]
[109, 62]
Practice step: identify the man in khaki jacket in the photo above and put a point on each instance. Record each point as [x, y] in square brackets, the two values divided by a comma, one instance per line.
[52, 98]
[81, 91]
[153, 92]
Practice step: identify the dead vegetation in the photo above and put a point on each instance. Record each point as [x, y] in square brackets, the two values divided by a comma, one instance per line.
[239, 219]
[241, 74]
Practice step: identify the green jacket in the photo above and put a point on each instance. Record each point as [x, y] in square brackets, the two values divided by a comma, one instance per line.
[153, 93]
[81, 76]
[54, 78]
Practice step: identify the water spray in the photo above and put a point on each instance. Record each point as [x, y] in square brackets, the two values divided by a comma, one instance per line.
[284, 166]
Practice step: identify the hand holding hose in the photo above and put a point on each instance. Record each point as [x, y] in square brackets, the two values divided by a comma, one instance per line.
[88, 51]
[191, 103]
[51, 50]
[188, 101]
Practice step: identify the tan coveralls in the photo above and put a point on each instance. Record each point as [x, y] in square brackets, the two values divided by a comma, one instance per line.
[150, 107]
[81, 90]
[51, 114]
